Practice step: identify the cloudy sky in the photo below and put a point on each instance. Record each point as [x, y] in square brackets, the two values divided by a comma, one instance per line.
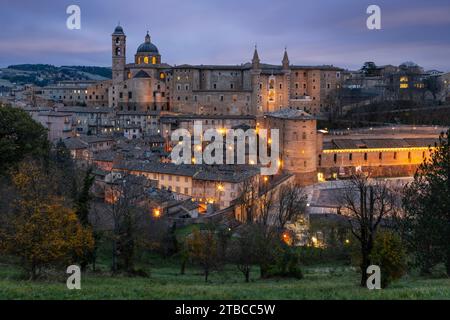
[225, 31]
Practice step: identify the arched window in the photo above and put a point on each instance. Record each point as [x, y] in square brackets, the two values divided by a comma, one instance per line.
[153, 60]
[117, 41]
[146, 60]
[118, 52]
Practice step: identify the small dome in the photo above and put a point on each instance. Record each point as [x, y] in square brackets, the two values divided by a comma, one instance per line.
[118, 30]
[147, 46]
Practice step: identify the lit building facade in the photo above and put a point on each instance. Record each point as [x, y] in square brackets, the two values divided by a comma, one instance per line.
[247, 89]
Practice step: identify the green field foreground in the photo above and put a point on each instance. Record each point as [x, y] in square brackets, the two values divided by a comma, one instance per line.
[166, 283]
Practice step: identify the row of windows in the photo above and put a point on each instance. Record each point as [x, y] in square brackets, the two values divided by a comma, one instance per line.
[177, 178]
[215, 86]
[380, 156]
[177, 189]
[325, 75]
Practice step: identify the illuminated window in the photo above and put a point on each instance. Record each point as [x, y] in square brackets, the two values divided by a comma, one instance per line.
[162, 75]
[146, 60]
[404, 86]
[153, 60]
[403, 79]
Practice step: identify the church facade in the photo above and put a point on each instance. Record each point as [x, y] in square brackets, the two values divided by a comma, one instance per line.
[149, 84]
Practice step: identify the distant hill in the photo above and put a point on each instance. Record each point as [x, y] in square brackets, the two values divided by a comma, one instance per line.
[45, 74]
[34, 67]
[100, 71]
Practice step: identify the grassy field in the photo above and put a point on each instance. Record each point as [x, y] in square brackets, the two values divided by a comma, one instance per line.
[165, 282]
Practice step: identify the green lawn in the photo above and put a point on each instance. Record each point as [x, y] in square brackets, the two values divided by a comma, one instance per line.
[165, 282]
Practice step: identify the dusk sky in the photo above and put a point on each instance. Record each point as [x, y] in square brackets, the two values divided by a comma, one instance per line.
[225, 32]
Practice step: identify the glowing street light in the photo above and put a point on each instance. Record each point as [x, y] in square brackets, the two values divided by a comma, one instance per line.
[156, 213]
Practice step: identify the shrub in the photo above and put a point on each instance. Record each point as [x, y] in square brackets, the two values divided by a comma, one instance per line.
[287, 264]
[389, 254]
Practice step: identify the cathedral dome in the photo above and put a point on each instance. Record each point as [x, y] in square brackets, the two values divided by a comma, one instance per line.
[147, 46]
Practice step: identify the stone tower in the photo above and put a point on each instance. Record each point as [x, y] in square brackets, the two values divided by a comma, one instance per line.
[286, 79]
[118, 55]
[298, 142]
[255, 76]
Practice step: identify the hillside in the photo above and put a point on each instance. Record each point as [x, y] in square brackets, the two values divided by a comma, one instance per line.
[44, 74]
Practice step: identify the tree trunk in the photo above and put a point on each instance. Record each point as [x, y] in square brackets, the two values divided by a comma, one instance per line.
[94, 260]
[447, 263]
[206, 275]
[247, 275]
[114, 256]
[183, 266]
[365, 263]
[33, 273]
[263, 271]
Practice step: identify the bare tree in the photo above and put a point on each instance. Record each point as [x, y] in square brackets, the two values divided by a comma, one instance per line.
[291, 204]
[248, 199]
[265, 207]
[365, 203]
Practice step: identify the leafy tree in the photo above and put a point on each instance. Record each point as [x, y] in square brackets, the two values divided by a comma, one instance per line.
[82, 203]
[69, 177]
[427, 208]
[35, 184]
[202, 248]
[224, 234]
[40, 227]
[389, 254]
[128, 218]
[82, 210]
[434, 85]
[369, 68]
[20, 136]
[242, 251]
[51, 235]
[62, 154]
[287, 262]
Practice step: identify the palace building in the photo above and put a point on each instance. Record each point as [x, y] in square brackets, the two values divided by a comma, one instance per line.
[149, 84]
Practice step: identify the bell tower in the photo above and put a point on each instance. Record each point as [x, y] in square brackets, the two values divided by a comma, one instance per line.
[118, 55]
[255, 72]
[286, 69]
